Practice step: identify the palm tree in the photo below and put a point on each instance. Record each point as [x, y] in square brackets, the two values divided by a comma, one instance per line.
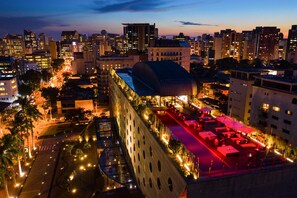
[30, 114]
[5, 161]
[17, 143]
[33, 114]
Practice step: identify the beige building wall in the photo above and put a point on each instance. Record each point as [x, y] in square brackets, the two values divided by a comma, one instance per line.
[151, 165]
[180, 55]
[240, 98]
[276, 111]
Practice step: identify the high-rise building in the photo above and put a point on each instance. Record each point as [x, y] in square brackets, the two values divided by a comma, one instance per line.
[2, 47]
[195, 47]
[231, 44]
[41, 57]
[248, 45]
[274, 106]
[206, 45]
[267, 39]
[292, 43]
[67, 37]
[174, 50]
[139, 35]
[240, 93]
[282, 49]
[7, 66]
[30, 41]
[14, 45]
[217, 46]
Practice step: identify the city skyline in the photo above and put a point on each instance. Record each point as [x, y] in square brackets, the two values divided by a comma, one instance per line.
[171, 17]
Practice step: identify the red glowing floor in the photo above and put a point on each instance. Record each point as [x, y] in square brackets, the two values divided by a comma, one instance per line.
[207, 153]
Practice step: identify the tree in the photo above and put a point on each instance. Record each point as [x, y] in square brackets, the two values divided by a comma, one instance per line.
[25, 90]
[5, 162]
[17, 143]
[50, 94]
[75, 115]
[45, 75]
[174, 145]
[28, 113]
[57, 64]
[32, 78]
[226, 63]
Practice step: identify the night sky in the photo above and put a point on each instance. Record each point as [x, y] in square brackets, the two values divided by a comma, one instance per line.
[193, 17]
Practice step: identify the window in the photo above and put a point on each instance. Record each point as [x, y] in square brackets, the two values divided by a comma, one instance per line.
[288, 112]
[265, 106]
[143, 181]
[143, 138]
[273, 126]
[159, 165]
[275, 108]
[151, 151]
[151, 168]
[170, 185]
[138, 130]
[151, 183]
[294, 101]
[286, 131]
[138, 157]
[159, 183]
[287, 122]
[274, 117]
[143, 152]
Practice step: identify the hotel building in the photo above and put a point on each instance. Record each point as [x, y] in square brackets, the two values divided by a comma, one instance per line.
[139, 98]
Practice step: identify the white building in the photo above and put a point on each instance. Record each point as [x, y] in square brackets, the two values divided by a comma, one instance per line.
[240, 93]
[274, 106]
[8, 90]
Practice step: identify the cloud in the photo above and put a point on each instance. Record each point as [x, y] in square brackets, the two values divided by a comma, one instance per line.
[193, 23]
[104, 6]
[18, 24]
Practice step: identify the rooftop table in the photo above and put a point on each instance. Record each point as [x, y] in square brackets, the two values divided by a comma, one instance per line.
[191, 122]
[207, 134]
[228, 150]
[248, 145]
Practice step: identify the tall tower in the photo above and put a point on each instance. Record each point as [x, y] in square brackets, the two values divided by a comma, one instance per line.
[292, 43]
[267, 42]
[30, 41]
[139, 35]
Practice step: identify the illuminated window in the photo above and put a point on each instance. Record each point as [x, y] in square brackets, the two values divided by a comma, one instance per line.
[288, 112]
[265, 106]
[275, 108]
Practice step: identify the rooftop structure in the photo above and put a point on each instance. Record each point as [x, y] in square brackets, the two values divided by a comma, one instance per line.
[177, 151]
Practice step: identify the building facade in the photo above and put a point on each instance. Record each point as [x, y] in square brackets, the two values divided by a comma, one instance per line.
[105, 63]
[139, 35]
[8, 89]
[274, 106]
[174, 50]
[30, 41]
[241, 92]
[292, 44]
[14, 45]
[41, 57]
